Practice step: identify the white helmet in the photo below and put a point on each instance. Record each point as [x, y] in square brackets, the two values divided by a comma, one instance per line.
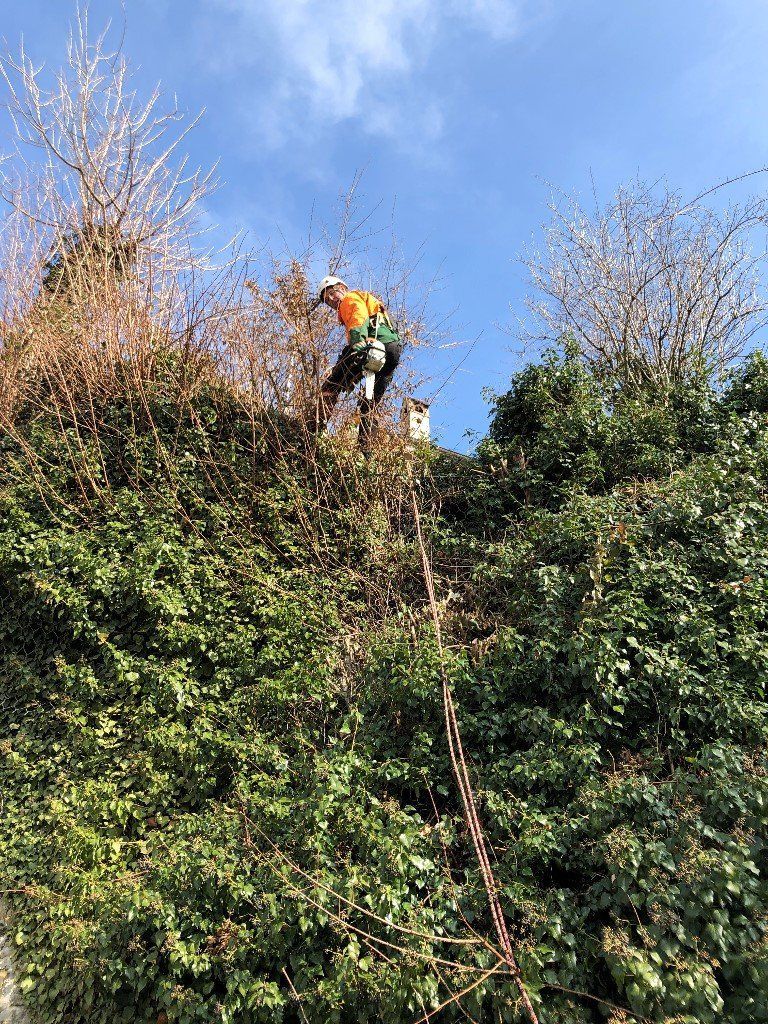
[327, 282]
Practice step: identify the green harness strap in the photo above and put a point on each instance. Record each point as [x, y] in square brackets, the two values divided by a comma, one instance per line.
[375, 325]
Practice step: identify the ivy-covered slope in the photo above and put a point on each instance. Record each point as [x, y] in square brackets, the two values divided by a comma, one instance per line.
[226, 790]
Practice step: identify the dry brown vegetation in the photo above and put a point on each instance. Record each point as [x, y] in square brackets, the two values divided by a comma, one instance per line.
[109, 283]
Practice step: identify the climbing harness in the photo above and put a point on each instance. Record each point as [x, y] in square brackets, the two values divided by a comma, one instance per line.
[374, 352]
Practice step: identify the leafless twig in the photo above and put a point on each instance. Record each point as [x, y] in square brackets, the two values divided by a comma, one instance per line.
[652, 290]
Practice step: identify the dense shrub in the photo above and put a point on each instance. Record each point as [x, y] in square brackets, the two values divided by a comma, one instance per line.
[226, 791]
[560, 427]
[618, 709]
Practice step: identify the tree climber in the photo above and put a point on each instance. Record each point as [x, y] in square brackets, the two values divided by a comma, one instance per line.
[364, 317]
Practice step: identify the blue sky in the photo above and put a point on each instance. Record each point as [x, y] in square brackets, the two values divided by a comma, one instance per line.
[463, 115]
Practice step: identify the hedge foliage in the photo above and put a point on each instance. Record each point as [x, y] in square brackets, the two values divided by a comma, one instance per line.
[226, 790]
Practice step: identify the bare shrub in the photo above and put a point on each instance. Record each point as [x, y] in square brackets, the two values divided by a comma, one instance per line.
[652, 290]
[111, 185]
[100, 222]
[106, 286]
[103, 263]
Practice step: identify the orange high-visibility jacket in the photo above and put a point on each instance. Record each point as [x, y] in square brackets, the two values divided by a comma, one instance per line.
[355, 312]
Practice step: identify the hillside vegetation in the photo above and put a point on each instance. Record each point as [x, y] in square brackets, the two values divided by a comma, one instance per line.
[231, 789]
[226, 787]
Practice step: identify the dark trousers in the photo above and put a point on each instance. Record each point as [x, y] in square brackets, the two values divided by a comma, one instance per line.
[348, 372]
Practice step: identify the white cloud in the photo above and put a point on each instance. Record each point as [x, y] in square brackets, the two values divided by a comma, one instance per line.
[500, 18]
[336, 60]
[326, 53]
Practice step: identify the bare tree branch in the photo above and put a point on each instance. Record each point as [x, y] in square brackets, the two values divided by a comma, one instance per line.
[651, 290]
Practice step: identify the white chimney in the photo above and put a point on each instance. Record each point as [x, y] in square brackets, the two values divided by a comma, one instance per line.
[415, 417]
